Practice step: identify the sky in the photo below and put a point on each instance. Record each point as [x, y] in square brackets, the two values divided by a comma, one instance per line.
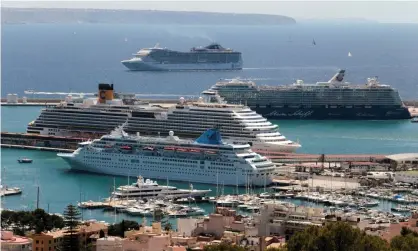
[381, 11]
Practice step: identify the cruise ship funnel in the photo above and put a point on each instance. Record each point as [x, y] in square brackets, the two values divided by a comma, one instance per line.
[105, 93]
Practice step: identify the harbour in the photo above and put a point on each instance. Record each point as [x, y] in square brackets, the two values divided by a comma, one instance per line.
[240, 150]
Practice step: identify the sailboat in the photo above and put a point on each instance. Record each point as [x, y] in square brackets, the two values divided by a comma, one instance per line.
[313, 42]
[349, 54]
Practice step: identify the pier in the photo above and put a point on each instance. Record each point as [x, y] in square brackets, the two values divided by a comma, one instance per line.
[40, 142]
[279, 157]
[40, 148]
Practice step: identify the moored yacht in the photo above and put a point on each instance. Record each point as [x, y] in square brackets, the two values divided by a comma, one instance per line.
[146, 188]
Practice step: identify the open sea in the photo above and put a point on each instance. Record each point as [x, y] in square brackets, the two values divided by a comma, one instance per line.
[57, 57]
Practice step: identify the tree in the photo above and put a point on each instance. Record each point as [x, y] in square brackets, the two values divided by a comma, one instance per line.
[71, 221]
[168, 226]
[405, 231]
[22, 221]
[101, 233]
[119, 229]
[407, 241]
[335, 236]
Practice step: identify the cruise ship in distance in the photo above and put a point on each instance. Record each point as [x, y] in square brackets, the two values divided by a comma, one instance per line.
[206, 160]
[211, 57]
[324, 100]
[146, 188]
[94, 118]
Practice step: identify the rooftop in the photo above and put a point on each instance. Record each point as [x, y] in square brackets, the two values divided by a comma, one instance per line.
[403, 156]
[9, 238]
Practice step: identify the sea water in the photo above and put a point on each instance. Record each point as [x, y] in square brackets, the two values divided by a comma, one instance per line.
[58, 57]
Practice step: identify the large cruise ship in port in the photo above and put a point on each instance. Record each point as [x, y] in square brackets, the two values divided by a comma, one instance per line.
[94, 118]
[206, 160]
[211, 57]
[324, 100]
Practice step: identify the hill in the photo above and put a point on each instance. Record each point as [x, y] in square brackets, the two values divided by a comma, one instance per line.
[39, 15]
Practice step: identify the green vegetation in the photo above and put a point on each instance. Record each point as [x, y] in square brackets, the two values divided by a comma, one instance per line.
[23, 221]
[407, 241]
[338, 236]
[119, 229]
[72, 217]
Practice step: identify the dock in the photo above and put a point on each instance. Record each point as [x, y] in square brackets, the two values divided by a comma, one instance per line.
[40, 148]
[279, 157]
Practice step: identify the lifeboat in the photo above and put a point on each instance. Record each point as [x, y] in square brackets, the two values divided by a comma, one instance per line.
[182, 150]
[210, 152]
[108, 146]
[148, 148]
[194, 151]
[126, 147]
[169, 148]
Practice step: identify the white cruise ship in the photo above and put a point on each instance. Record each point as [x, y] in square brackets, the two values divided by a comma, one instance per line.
[237, 123]
[146, 188]
[206, 160]
[211, 57]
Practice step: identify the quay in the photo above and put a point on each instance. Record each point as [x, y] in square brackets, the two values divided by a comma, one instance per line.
[69, 144]
[40, 142]
[279, 157]
[41, 148]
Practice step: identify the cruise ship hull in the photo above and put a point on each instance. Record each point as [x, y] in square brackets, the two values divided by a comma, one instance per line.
[334, 113]
[163, 171]
[136, 65]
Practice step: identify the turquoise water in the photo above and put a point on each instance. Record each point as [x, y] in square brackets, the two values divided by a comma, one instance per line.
[59, 187]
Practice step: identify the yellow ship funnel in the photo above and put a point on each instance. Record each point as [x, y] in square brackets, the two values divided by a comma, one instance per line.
[105, 93]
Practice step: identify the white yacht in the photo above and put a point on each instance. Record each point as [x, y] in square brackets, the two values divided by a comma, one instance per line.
[206, 160]
[94, 118]
[146, 188]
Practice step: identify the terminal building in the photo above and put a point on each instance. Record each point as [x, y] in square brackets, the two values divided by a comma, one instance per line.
[403, 160]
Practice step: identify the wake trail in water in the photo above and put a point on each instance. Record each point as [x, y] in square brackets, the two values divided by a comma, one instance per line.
[293, 68]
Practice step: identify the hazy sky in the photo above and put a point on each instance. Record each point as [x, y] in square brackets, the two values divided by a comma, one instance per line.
[383, 11]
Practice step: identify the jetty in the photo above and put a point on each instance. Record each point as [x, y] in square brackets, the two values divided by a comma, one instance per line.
[41, 148]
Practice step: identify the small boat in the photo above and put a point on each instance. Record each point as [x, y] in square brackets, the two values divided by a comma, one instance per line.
[400, 209]
[414, 120]
[25, 160]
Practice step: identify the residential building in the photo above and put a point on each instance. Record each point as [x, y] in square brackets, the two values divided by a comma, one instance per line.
[52, 240]
[10, 242]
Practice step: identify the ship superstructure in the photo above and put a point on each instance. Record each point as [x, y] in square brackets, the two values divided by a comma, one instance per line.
[237, 123]
[206, 160]
[211, 57]
[323, 100]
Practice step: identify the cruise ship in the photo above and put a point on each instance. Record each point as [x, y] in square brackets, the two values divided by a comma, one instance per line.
[334, 99]
[146, 188]
[94, 118]
[206, 160]
[211, 57]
